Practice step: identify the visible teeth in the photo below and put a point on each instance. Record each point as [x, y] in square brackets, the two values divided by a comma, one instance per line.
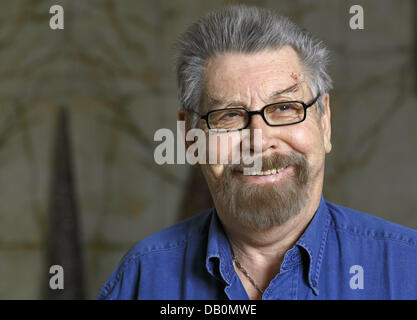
[267, 172]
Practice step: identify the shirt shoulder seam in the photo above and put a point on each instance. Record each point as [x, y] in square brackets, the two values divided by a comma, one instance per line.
[134, 257]
[108, 288]
[409, 242]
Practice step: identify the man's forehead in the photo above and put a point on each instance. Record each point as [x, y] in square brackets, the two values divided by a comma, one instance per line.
[236, 75]
[267, 92]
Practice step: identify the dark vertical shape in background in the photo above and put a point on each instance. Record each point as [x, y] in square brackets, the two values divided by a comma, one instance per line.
[197, 197]
[63, 238]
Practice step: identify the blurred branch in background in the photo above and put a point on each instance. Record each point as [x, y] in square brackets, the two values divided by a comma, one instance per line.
[9, 121]
[361, 150]
[121, 120]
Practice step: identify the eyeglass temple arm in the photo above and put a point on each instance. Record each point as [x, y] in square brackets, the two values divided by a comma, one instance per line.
[314, 101]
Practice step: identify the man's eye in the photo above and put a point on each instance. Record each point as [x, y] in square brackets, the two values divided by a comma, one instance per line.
[282, 108]
[230, 115]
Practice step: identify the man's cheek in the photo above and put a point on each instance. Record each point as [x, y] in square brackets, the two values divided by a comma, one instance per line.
[223, 148]
[302, 140]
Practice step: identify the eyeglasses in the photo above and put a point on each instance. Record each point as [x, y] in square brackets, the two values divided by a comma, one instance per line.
[276, 114]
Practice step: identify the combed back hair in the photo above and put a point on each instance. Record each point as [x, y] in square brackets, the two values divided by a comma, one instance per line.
[244, 29]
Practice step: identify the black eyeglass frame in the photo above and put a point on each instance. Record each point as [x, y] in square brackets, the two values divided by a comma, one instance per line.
[262, 113]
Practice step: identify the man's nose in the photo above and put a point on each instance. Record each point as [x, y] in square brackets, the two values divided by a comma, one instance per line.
[268, 133]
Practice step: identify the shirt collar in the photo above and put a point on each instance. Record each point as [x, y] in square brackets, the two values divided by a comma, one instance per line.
[219, 255]
[313, 241]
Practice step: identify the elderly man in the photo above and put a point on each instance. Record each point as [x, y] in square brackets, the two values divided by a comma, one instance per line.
[271, 235]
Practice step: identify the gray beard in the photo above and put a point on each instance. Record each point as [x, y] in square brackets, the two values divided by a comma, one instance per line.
[260, 207]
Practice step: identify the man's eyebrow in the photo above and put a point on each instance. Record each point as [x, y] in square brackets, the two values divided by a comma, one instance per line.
[217, 102]
[277, 94]
[212, 101]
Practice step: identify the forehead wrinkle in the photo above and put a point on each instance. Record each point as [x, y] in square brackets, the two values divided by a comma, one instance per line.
[292, 89]
[286, 93]
[212, 101]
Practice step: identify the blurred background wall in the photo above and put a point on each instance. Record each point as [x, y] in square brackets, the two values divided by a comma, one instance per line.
[80, 106]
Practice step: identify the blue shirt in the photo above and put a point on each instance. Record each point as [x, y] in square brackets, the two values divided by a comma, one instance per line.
[343, 254]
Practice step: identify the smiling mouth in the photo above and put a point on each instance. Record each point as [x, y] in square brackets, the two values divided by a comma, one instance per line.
[266, 172]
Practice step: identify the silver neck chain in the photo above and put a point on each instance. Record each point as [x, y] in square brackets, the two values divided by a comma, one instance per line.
[246, 274]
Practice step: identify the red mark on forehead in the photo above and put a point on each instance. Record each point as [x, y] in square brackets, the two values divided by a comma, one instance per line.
[294, 76]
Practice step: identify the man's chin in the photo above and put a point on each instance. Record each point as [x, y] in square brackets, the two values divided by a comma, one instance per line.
[262, 219]
[261, 207]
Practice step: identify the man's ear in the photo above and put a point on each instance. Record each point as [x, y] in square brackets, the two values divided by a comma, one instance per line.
[184, 116]
[326, 124]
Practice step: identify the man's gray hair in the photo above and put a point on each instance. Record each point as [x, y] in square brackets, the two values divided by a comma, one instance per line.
[244, 29]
